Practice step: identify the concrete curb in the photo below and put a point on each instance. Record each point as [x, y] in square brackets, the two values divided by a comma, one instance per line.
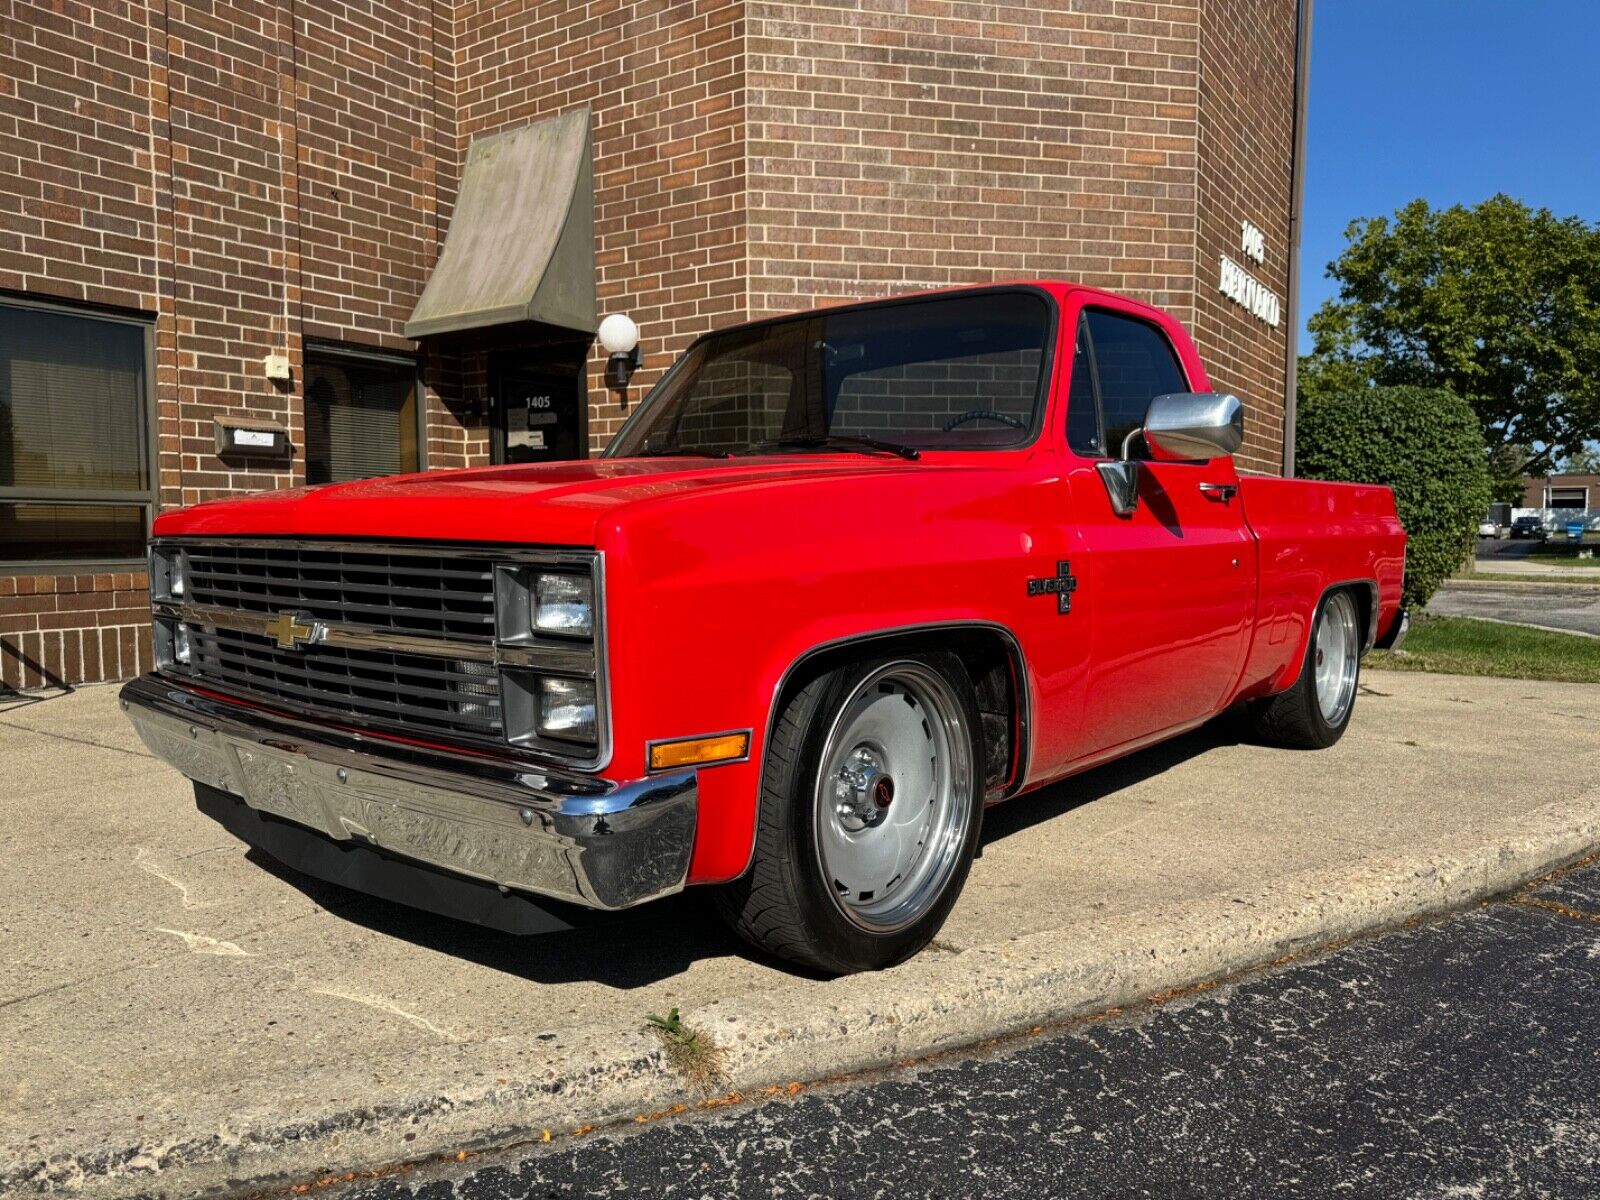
[942, 1000]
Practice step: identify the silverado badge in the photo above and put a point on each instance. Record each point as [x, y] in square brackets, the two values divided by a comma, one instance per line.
[1061, 586]
[286, 629]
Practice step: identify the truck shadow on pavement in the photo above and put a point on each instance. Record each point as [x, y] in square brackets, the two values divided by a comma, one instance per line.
[1061, 797]
[657, 941]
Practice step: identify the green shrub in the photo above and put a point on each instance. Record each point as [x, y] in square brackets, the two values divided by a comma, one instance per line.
[1427, 445]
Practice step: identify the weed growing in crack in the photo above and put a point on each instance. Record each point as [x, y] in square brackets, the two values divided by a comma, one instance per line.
[692, 1055]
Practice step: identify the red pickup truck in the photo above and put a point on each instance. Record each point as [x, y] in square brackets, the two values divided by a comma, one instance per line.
[842, 580]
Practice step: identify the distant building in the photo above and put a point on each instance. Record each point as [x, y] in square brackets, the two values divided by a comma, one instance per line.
[1561, 491]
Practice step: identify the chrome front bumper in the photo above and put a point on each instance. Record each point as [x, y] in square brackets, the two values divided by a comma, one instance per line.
[573, 837]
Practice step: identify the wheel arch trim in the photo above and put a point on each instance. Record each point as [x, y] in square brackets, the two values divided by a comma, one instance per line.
[1373, 597]
[1286, 675]
[1021, 682]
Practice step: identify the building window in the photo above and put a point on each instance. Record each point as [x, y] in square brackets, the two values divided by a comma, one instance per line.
[76, 485]
[361, 415]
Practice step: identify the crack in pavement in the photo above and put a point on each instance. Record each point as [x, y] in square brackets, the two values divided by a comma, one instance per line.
[1555, 906]
[125, 968]
[149, 867]
[201, 944]
[78, 741]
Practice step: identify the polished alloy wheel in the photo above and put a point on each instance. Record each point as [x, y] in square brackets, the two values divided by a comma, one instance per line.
[1338, 651]
[891, 805]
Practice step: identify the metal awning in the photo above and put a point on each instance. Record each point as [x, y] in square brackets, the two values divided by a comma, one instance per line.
[521, 240]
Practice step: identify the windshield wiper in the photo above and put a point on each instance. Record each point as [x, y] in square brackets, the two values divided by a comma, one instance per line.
[682, 452]
[844, 441]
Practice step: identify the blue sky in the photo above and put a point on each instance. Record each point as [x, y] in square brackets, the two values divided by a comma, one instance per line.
[1451, 100]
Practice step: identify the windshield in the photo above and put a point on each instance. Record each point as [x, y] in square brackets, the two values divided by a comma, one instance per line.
[957, 372]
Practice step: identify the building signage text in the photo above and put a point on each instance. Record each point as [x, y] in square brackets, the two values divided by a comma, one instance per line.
[1244, 288]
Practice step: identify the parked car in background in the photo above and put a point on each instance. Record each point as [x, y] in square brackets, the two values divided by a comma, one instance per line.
[843, 579]
[1527, 527]
[1490, 529]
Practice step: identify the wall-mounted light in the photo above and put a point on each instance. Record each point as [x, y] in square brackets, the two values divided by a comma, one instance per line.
[620, 337]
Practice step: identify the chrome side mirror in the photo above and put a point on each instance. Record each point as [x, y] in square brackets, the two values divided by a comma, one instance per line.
[1189, 426]
[1178, 427]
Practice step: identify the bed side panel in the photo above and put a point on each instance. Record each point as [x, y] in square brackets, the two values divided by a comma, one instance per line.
[1313, 535]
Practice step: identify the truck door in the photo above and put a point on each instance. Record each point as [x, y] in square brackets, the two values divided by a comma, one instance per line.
[1167, 593]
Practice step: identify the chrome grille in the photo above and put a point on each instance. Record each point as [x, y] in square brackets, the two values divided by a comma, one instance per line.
[415, 608]
[443, 596]
[372, 687]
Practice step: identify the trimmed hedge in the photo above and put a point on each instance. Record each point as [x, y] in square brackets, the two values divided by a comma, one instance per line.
[1427, 445]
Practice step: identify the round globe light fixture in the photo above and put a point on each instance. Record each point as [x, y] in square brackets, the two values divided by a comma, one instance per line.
[620, 337]
[618, 334]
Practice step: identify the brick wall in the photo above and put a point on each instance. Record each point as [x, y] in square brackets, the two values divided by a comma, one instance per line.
[665, 84]
[1533, 491]
[246, 174]
[1246, 134]
[252, 173]
[898, 145]
[57, 629]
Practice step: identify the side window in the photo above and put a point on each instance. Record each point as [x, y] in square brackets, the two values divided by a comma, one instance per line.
[1083, 410]
[1134, 363]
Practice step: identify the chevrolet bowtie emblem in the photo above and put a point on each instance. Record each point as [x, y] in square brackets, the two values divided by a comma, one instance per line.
[288, 631]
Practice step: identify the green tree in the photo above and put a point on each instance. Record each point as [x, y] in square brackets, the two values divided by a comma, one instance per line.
[1498, 303]
[1582, 462]
[1424, 443]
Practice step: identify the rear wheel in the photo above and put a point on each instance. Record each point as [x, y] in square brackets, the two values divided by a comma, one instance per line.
[870, 809]
[1315, 711]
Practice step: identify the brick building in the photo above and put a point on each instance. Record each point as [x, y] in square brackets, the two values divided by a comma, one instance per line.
[1561, 491]
[217, 222]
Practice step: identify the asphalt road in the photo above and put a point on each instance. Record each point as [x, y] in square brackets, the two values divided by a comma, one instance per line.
[1505, 548]
[1572, 609]
[1454, 1059]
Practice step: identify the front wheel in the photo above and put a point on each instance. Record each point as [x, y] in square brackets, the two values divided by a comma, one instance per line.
[871, 802]
[1315, 711]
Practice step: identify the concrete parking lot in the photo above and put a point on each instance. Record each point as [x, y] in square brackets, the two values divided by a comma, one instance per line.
[177, 1014]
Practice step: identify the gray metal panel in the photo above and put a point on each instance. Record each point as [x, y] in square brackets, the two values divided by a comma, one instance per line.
[521, 241]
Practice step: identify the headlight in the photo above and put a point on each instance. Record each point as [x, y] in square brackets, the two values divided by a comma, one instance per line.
[567, 710]
[169, 568]
[563, 604]
[172, 645]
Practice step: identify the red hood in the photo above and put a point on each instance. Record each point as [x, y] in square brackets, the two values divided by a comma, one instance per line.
[548, 504]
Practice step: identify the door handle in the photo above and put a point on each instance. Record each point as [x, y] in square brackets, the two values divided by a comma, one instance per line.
[1220, 491]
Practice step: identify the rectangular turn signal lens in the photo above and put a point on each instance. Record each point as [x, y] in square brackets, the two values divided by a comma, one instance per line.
[694, 752]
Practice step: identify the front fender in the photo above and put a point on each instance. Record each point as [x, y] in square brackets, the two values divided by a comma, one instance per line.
[713, 605]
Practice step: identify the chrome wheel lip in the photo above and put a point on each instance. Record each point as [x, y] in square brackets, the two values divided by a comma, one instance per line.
[922, 872]
[1336, 655]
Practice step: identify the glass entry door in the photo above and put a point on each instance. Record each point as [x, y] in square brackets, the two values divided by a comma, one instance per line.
[540, 412]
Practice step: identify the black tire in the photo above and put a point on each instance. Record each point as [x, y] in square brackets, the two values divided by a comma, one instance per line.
[1294, 718]
[783, 904]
